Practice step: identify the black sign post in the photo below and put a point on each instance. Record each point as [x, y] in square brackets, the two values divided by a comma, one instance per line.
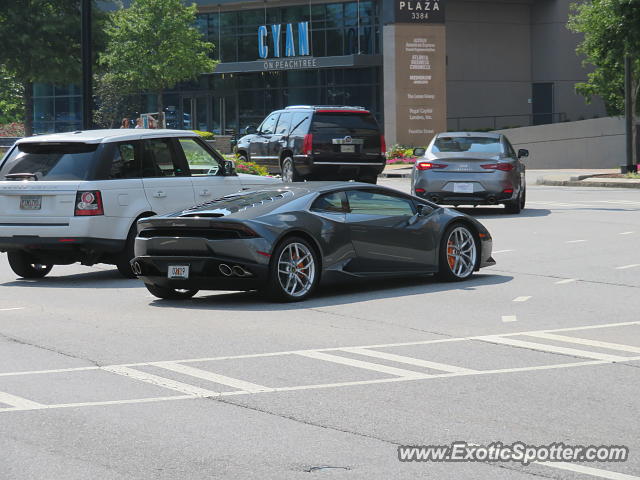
[87, 111]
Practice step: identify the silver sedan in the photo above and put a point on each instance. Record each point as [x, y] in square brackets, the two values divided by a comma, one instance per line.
[470, 168]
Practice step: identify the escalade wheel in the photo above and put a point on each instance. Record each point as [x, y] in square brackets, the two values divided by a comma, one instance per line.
[169, 293]
[26, 265]
[289, 173]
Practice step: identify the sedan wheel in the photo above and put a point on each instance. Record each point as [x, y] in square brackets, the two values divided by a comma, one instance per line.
[170, 293]
[294, 271]
[458, 254]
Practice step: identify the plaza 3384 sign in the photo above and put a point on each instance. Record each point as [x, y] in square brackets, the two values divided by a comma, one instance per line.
[419, 11]
[289, 40]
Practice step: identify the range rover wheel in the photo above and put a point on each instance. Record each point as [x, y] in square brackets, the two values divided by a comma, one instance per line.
[289, 173]
[123, 258]
[294, 271]
[458, 254]
[27, 266]
[170, 293]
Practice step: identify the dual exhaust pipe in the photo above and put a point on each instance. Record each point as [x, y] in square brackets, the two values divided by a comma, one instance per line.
[236, 271]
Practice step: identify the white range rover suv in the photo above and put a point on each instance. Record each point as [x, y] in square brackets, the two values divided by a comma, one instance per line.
[76, 197]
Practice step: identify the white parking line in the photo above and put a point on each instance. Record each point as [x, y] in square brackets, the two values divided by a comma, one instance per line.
[575, 241]
[408, 360]
[213, 377]
[624, 267]
[626, 233]
[588, 342]
[18, 402]
[365, 365]
[594, 472]
[161, 381]
[502, 251]
[509, 318]
[566, 280]
[553, 349]
[521, 299]
[11, 309]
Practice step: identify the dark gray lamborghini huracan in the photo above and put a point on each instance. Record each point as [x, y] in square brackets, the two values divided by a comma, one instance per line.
[284, 240]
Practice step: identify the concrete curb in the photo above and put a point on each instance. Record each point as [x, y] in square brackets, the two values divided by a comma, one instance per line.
[394, 175]
[579, 183]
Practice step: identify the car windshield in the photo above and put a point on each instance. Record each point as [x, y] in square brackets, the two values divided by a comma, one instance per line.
[45, 161]
[468, 144]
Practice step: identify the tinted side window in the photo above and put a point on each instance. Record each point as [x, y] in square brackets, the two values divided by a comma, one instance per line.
[509, 148]
[284, 123]
[300, 123]
[124, 161]
[200, 160]
[159, 159]
[330, 202]
[372, 203]
[269, 125]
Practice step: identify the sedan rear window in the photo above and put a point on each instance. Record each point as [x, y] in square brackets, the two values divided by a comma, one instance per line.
[468, 144]
[47, 161]
[344, 124]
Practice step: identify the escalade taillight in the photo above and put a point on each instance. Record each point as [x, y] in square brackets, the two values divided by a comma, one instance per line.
[307, 145]
[88, 203]
[383, 145]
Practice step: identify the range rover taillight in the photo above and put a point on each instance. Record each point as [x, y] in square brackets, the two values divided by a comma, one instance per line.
[307, 145]
[88, 203]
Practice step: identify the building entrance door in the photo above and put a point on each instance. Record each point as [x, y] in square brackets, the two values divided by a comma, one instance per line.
[542, 103]
[194, 113]
[224, 109]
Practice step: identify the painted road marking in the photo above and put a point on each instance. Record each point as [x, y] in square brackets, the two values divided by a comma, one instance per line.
[521, 299]
[365, 365]
[584, 341]
[502, 251]
[624, 267]
[509, 318]
[626, 233]
[575, 241]
[408, 360]
[328, 385]
[566, 280]
[595, 472]
[553, 349]
[213, 377]
[11, 309]
[161, 381]
[329, 349]
[18, 402]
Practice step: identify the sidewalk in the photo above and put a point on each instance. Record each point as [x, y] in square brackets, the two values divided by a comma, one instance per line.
[397, 171]
[588, 178]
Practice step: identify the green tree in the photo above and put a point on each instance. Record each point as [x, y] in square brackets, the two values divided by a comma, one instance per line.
[40, 43]
[611, 30]
[11, 109]
[153, 45]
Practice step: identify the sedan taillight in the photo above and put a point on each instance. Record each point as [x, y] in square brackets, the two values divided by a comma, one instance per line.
[505, 167]
[429, 165]
[88, 203]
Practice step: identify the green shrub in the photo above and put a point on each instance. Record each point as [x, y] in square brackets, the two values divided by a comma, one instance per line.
[251, 168]
[204, 135]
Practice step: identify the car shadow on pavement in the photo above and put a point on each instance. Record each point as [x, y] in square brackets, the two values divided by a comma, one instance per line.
[95, 279]
[332, 295]
[493, 212]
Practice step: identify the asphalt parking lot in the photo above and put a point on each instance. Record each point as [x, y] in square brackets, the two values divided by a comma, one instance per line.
[98, 379]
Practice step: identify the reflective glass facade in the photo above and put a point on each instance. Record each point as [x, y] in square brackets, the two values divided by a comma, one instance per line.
[56, 108]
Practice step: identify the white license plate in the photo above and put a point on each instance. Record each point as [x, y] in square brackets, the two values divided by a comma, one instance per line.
[31, 202]
[463, 188]
[348, 148]
[178, 271]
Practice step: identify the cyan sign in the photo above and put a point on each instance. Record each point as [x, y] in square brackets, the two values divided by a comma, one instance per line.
[289, 43]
